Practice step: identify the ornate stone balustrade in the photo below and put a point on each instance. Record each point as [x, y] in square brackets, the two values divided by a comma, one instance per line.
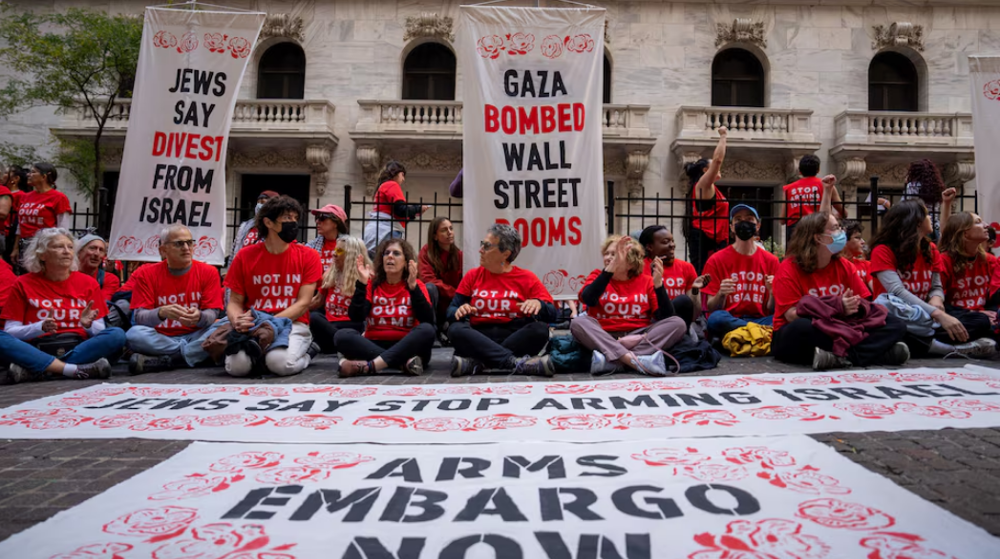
[899, 128]
[746, 123]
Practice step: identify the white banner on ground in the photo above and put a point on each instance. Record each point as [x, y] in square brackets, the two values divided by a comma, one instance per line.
[787, 497]
[173, 170]
[533, 135]
[547, 411]
[984, 73]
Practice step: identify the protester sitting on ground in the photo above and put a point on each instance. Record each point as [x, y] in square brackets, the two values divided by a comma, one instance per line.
[679, 278]
[707, 231]
[331, 303]
[740, 276]
[500, 313]
[6, 208]
[441, 266]
[803, 196]
[247, 234]
[967, 275]
[390, 212]
[43, 207]
[854, 250]
[629, 323]
[91, 252]
[278, 277]
[394, 305]
[906, 265]
[331, 223]
[16, 180]
[54, 309]
[813, 274]
[174, 303]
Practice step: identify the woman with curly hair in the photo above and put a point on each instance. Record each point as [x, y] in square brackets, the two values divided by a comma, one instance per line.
[924, 182]
[330, 311]
[707, 230]
[906, 265]
[390, 212]
[967, 273]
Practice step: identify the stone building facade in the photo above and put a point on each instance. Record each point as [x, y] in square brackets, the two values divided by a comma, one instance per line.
[868, 89]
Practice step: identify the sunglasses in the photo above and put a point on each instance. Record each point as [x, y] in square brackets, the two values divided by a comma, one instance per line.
[181, 244]
[323, 217]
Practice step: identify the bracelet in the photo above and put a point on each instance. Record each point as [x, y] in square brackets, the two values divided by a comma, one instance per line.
[695, 291]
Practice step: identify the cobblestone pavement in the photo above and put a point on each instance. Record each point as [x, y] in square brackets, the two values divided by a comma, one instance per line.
[958, 470]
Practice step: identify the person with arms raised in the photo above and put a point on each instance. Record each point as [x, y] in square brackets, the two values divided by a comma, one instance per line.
[707, 230]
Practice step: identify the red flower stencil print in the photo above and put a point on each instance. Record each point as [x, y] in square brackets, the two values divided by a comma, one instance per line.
[164, 40]
[112, 550]
[834, 513]
[160, 523]
[892, 545]
[216, 42]
[867, 411]
[442, 424]
[81, 400]
[318, 422]
[579, 422]
[773, 538]
[557, 388]
[671, 457]
[205, 247]
[814, 380]
[969, 405]
[579, 43]
[222, 541]
[333, 460]
[861, 377]
[265, 392]
[520, 43]
[55, 422]
[723, 383]
[922, 377]
[189, 42]
[490, 47]
[230, 419]
[502, 421]
[123, 420]
[767, 457]
[239, 47]
[553, 281]
[552, 46]
[250, 459]
[383, 421]
[707, 417]
[191, 486]
[991, 90]
[932, 411]
[809, 480]
[647, 421]
[714, 472]
[292, 474]
[800, 412]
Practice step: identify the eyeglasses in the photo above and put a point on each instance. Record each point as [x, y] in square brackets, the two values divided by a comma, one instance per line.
[181, 244]
[339, 251]
[396, 253]
[486, 245]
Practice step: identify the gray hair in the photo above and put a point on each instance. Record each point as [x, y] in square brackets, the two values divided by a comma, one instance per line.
[170, 230]
[39, 245]
[507, 239]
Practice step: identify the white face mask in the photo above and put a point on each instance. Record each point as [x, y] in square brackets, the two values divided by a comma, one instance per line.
[256, 209]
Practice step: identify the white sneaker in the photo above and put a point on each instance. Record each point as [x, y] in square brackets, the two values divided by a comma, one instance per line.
[599, 363]
[823, 360]
[983, 347]
[652, 365]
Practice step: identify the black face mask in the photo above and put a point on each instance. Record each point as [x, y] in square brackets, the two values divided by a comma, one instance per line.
[745, 230]
[289, 231]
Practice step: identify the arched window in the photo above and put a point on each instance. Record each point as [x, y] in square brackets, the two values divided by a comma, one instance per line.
[429, 73]
[282, 73]
[737, 79]
[607, 80]
[892, 83]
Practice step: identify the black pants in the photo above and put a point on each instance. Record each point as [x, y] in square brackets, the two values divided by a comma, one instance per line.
[796, 341]
[323, 330]
[417, 343]
[700, 247]
[976, 324]
[495, 345]
[684, 308]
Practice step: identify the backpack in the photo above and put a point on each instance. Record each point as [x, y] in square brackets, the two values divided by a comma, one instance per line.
[695, 356]
[568, 355]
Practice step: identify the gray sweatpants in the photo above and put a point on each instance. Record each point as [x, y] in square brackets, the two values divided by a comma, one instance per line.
[661, 335]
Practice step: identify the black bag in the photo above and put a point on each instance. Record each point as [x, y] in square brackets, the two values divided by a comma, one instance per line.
[117, 318]
[569, 355]
[57, 345]
[693, 356]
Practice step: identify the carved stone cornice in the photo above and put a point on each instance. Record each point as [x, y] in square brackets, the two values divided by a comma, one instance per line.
[889, 174]
[958, 173]
[636, 164]
[755, 171]
[282, 25]
[742, 30]
[284, 159]
[111, 155]
[371, 162]
[851, 171]
[429, 25]
[899, 34]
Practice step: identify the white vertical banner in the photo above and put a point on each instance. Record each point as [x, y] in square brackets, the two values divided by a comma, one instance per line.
[533, 136]
[984, 72]
[191, 64]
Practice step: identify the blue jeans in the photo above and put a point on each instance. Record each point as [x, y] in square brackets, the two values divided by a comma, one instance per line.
[721, 323]
[147, 341]
[105, 344]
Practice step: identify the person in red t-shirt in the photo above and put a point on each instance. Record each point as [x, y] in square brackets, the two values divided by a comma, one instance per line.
[740, 275]
[91, 250]
[246, 235]
[52, 309]
[41, 208]
[906, 264]
[390, 212]
[707, 231]
[329, 309]
[6, 209]
[854, 250]
[803, 196]
[331, 223]
[813, 268]
[440, 266]
[630, 320]
[683, 285]
[174, 303]
[967, 274]
[397, 312]
[501, 313]
[16, 180]
[274, 278]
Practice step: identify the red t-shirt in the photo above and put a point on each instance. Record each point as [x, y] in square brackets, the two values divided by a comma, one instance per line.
[251, 237]
[391, 317]
[337, 304]
[970, 289]
[750, 274]
[34, 298]
[7, 279]
[917, 281]
[677, 277]
[41, 210]
[863, 267]
[198, 289]
[271, 282]
[625, 305]
[803, 197]
[326, 253]
[4, 191]
[111, 283]
[389, 193]
[497, 296]
[792, 284]
[15, 206]
[714, 222]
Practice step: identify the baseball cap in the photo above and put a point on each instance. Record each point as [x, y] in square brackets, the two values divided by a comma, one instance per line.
[332, 209]
[268, 194]
[739, 207]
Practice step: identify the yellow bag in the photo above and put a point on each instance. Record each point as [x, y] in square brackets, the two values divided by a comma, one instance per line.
[753, 340]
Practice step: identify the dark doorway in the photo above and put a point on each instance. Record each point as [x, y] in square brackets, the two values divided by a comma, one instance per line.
[282, 73]
[108, 193]
[759, 198]
[429, 73]
[296, 186]
[737, 79]
[892, 83]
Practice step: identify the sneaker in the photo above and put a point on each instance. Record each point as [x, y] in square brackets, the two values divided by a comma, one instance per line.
[139, 364]
[537, 366]
[652, 365]
[98, 369]
[414, 367]
[897, 354]
[464, 367]
[313, 350]
[823, 360]
[17, 374]
[353, 368]
[599, 364]
[983, 347]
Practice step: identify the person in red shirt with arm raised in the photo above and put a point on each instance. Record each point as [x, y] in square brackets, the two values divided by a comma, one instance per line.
[630, 320]
[500, 313]
[330, 308]
[331, 223]
[440, 266]
[740, 275]
[907, 265]
[276, 277]
[54, 309]
[683, 285]
[41, 208]
[397, 312]
[707, 230]
[174, 303]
